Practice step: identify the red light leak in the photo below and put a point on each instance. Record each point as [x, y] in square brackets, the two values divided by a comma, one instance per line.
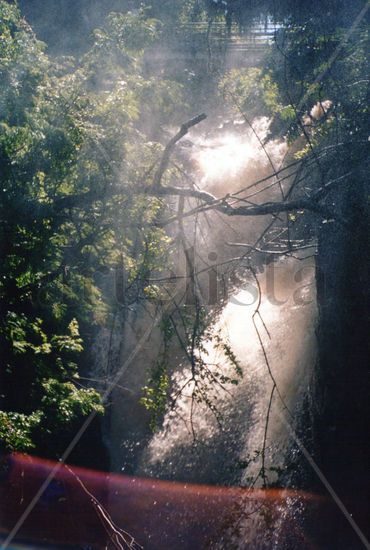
[82, 508]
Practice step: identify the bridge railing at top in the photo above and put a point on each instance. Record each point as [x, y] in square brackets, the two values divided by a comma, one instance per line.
[233, 39]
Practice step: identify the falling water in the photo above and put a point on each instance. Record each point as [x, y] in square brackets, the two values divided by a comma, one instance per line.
[208, 452]
[269, 323]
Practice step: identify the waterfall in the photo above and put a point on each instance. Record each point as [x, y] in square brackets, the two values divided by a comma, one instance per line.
[268, 322]
[228, 451]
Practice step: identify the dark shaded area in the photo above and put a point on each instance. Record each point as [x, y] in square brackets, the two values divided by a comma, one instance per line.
[88, 452]
[81, 508]
[343, 374]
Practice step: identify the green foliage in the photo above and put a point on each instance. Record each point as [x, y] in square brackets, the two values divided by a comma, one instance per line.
[315, 62]
[73, 151]
[251, 91]
[65, 403]
[132, 31]
[26, 336]
[156, 393]
[16, 431]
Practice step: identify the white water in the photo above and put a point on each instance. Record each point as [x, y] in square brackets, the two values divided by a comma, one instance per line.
[290, 350]
[192, 445]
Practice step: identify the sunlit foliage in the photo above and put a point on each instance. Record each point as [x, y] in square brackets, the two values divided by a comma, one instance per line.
[72, 151]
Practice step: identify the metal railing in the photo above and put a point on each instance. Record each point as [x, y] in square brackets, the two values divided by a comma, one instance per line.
[258, 37]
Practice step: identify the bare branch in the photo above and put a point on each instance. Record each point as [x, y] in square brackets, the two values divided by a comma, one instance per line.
[171, 145]
[271, 252]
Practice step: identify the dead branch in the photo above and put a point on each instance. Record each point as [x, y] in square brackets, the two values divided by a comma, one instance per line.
[171, 145]
[283, 252]
[119, 538]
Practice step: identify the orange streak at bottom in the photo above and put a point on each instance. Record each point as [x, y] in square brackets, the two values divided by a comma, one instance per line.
[92, 510]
